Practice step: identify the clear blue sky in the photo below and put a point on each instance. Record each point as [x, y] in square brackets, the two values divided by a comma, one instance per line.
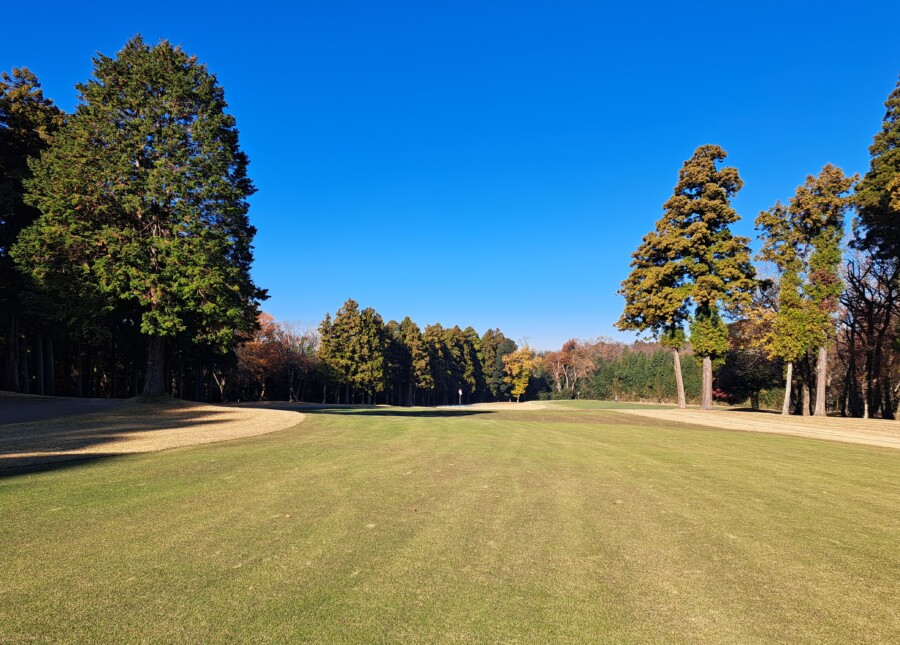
[494, 164]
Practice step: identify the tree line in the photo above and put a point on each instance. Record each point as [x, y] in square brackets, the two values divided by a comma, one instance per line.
[125, 251]
[125, 246]
[355, 357]
[690, 276]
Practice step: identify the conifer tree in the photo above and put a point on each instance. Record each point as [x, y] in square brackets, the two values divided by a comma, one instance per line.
[817, 211]
[494, 346]
[146, 189]
[353, 346]
[692, 258]
[27, 123]
[878, 193]
[419, 377]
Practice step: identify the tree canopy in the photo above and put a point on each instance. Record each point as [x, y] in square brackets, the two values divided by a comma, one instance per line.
[145, 191]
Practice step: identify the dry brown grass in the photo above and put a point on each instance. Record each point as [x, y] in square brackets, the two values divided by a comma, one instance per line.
[138, 425]
[871, 432]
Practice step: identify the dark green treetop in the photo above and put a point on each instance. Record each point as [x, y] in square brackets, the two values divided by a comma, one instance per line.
[878, 193]
[146, 189]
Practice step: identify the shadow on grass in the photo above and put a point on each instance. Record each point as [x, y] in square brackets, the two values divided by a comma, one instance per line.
[64, 439]
[364, 410]
[19, 466]
[403, 413]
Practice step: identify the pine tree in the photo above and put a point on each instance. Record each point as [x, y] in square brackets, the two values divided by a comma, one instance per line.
[146, 189]
[878, 193]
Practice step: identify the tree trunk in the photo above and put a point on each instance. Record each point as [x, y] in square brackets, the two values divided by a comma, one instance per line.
[77, 369]
[804, 405]
[706, 390]
[788, 382]
[821, 376]
[39, 365]
[12, 354]
[887, 401]
[154, 380]
[26, 383]
[49, 369]
[679, 380]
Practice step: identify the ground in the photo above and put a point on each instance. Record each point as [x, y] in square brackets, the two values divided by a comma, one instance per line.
[39, 429]
[571, 523]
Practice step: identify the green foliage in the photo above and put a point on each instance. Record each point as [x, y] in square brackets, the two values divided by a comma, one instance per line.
[144, 195]
[709, 334]
[643, 376]
[878, 193]
[691, 257]
[353, 345]
[801, 240]
[494, 346]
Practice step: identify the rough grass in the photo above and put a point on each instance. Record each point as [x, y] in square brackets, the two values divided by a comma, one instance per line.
[562, 525]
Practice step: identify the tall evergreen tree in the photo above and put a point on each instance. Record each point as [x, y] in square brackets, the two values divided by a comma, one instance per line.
[27, 123]
[353, 345]
[419, 377]
[692, 258]
[878, 193]
[818, 210]
[146, 189]
[494, 346]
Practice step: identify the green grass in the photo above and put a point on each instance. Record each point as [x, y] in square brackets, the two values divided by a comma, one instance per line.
[564, 525]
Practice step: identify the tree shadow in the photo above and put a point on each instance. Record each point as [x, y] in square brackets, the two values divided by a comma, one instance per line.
[21, 466]
[401, 412]
[756, 410]
[363, 409]
[88, 436]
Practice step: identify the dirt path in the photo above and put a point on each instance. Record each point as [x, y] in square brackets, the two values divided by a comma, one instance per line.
[872, 432]
[132, 426]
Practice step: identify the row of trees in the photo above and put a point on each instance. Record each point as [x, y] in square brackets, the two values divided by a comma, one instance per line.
[691, 274]
[125, 247]
[355, 357]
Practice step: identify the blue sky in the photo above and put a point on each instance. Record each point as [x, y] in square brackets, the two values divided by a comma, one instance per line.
[495, 164]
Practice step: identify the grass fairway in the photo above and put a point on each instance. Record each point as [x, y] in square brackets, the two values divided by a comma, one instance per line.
[563, 525]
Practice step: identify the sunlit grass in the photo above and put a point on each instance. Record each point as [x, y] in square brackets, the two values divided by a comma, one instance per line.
[560, 525]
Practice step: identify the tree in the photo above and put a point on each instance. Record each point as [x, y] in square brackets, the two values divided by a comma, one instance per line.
[353, 345]
[871, 313]
[494, 346]
[574, 361]
[518, 367]
[692, 258]
[818, 210]
[146, 190]
[878, 193]
[803, 241]
[419, 377]
[788, 333]
[27, 123]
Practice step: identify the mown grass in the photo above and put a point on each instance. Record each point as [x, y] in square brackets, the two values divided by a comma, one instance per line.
[554, 526]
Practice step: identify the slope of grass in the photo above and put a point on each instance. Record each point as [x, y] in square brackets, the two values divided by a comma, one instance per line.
[561, 525]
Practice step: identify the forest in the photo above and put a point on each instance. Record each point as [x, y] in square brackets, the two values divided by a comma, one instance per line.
[126, 247]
